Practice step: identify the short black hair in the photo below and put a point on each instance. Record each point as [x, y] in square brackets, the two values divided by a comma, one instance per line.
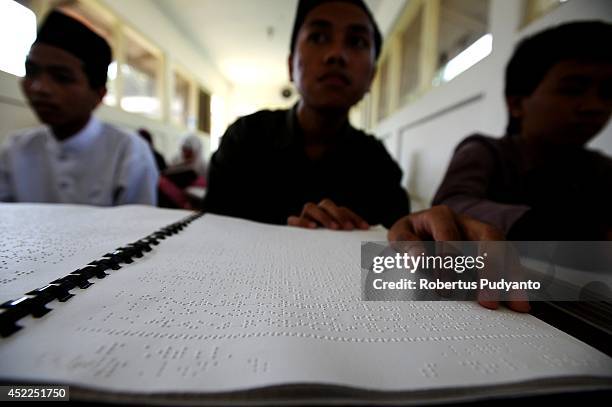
[145, 134]
[305, 6]
[536, 55]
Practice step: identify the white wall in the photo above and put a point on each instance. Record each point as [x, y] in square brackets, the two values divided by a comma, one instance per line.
[151, 22]
[422, 135]
[257, 97]
[14, 113]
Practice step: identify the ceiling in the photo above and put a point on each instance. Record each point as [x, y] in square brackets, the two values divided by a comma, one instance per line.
[248, 40]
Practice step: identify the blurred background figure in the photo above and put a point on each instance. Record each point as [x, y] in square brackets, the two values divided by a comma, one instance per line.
[183, 183]
[190, 156]
[159, 159]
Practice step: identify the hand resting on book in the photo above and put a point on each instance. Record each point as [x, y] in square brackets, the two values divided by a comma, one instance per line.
[329, 215]
[440, 223]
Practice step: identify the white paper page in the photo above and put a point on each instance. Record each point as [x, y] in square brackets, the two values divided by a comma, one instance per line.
[229, 304]
[40, 243]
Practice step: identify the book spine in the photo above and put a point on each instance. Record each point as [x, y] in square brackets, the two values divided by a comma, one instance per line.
[35, 302]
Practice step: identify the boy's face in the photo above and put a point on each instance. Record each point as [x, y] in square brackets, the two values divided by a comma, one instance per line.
[57, 88]
[571, 104]
[334, 59]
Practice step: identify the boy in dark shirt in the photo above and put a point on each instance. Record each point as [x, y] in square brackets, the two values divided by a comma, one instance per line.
[308, 166]
[539, 181]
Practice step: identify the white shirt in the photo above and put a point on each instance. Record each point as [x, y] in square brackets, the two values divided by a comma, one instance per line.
[100, 165]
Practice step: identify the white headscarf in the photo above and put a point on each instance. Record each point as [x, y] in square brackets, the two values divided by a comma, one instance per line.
[192, 142]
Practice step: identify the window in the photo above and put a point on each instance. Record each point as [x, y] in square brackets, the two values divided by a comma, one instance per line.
[180, 108]
[411, 56]
[139, 74]
[18, 30]
[111, 85]
[140, 65]
[463, 37]
[204, 111]
[141, 77]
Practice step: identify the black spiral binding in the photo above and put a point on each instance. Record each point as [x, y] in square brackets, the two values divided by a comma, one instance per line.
[35, 302]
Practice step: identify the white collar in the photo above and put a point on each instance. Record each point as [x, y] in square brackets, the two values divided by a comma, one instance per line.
[83, 138]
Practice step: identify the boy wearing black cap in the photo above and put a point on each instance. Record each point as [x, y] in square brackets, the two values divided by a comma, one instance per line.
[539, 181]
[75, 158]
[309, 160]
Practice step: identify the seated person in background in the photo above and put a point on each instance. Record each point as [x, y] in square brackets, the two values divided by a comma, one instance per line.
[190, 156]
[308, 166]
[160, 162]
[183, 183]
[539, 181]
[75, 158]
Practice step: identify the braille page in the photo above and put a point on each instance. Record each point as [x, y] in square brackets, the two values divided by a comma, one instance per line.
[228, 304]
[40, 242]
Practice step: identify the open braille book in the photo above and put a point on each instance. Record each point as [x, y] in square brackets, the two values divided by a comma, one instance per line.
[140, 304]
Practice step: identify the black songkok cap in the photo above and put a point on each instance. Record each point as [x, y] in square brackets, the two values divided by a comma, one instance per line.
[305, 6]
[69, 34]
